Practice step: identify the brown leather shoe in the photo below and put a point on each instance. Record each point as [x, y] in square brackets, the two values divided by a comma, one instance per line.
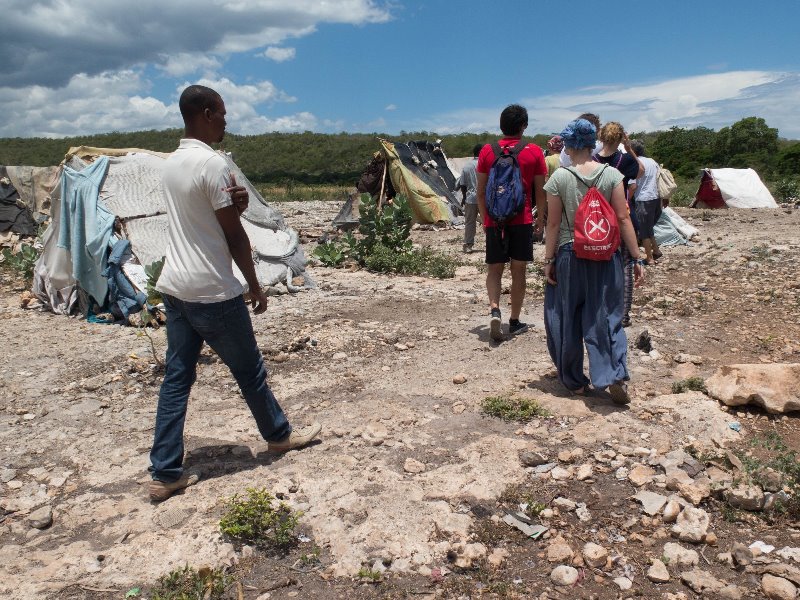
[297, 439]
[161, 490]
[619, 393]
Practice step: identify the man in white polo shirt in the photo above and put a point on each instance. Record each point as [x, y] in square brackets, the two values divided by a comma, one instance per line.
[204, 300]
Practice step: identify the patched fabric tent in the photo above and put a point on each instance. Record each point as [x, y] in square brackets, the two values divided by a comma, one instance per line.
[418, 170]
[24, 198]
[732, 188]
[107, 195]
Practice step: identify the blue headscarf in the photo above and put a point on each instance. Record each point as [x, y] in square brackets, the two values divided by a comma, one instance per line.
[578, 134]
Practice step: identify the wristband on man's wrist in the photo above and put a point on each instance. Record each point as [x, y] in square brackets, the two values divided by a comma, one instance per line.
[637, 261]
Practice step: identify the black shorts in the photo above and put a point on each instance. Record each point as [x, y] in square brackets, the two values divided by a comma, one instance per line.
[648, 212]
[513, 242]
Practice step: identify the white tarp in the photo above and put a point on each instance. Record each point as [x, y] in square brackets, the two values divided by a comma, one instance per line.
[742, 188]
[131, 190]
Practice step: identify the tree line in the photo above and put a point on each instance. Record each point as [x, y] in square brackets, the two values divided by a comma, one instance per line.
[339, 159]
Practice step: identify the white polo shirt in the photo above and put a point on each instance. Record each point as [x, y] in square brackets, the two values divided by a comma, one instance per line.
[198, 265]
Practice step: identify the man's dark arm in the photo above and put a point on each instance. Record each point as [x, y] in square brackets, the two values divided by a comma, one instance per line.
[239, 245]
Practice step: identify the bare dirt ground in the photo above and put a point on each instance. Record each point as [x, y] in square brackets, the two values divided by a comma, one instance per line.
[373, 357]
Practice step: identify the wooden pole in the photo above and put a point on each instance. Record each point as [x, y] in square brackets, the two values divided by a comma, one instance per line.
[383, 181]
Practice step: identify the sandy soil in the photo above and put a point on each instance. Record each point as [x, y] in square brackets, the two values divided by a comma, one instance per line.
[77, 404]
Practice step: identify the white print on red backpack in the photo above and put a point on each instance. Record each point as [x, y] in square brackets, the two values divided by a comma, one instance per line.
[596, 226]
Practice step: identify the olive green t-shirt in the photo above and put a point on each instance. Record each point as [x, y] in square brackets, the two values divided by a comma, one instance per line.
[566, 186]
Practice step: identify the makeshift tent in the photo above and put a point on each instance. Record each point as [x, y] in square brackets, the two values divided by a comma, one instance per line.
[105, 195]
[24, 198]
[732, 188]
[672, 230]
[418, 170]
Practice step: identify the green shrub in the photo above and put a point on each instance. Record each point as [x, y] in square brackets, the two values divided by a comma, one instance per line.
[22, 262]
[256, 520]
[330, 254]
[695, 384]
[153, 272]
[787, 190]
[513, 409]
[384, 245]
[187, 584]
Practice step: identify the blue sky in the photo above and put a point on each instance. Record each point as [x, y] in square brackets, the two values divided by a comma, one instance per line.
[373, 66]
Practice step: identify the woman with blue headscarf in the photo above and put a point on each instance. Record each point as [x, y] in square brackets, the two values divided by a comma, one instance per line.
[583, 299]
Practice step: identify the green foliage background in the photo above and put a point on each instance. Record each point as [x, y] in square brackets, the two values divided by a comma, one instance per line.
[286, 159]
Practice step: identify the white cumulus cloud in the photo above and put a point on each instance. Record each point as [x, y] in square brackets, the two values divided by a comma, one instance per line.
[279, 54]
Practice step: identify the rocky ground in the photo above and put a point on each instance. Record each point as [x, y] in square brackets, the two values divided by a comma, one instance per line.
[412, 485]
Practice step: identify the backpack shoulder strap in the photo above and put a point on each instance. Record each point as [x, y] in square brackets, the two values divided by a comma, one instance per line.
[519, 147]
[498, 151]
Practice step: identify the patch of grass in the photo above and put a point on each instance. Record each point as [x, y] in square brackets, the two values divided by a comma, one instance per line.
[513, 409]
[259, 519]
[780, 459]
[293, 191]
[189, 584]
[368, 574]
[694, 384]
[759, 253]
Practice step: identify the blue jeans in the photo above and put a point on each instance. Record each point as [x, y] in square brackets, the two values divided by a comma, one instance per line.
[226, 327]
[586, 307]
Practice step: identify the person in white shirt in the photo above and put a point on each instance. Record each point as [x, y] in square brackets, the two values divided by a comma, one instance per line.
[466, 183]
[648, 204]
[204, 301]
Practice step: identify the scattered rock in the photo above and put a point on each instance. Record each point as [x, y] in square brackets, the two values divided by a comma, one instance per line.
[772, 386]
[560, 474]
[658, 572]
[466, 555]
[643, 342]
[564, 575]
[696, 491]
[778, 588]
[746, 497]
[339, 356]
[641, 475]
[742, 555]
[595, 555]
[7, 475]
[783, 570]
[41, 518]
[459, 379]
[584, 472]
[532, 459]
[651, 502]
[688, 358]
[691, 525]
[559, 551]
[702, 581]
[623, 583]
[413, 466]
[671, 511]
[675, 554]
[497, 557]
[730, 592]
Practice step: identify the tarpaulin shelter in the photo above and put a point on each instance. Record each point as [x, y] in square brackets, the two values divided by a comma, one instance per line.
[107, 195]
[732, 188]
[419, 170]
[24, 198]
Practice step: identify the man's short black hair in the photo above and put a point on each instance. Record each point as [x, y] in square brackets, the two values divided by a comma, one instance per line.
[638, 147]
[513, 119]
[195, 99]
[477, 150]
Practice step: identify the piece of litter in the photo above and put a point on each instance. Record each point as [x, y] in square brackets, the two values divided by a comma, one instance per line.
[532, 531]
[765, 548]
[303, 538]
[735, 425]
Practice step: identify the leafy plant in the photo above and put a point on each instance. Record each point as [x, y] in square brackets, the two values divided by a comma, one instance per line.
[330, 254]
[22, 262]
[513, 409]
[787, 190]
[259, 519]
[695, 384]
[189, 584]
[153, 272]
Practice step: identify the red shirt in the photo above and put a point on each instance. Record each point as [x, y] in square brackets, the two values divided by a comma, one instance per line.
[531, 163]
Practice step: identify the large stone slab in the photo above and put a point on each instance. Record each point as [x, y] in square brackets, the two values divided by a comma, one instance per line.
[771, 386]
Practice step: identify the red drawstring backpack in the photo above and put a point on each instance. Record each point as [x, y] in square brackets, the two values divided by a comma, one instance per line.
[595, 231]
